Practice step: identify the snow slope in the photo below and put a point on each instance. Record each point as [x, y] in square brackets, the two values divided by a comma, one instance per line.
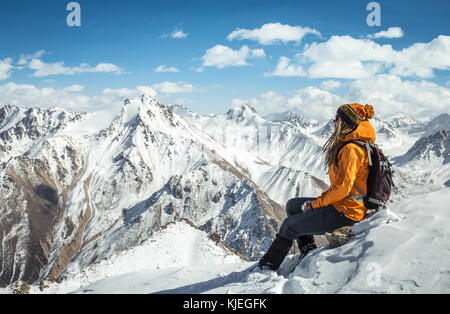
[178, 246]
[86, 186]
[403, 250]
[89, 191]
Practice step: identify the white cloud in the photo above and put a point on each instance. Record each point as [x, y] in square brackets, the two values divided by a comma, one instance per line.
[272, 33]
[390, 94]
[114, 97]
[267, 102]
[101, 67]
[237, 102]
[421, 59]
[5, 68]
[72, 97]
[147, 90]
[163, 68]
[29, 95]
[284, 69]
[173, 87]
[160, 90]
[349, 58]
[178, 34]
[391, 32]
[222, 56]
[74, 88]
[24, 59]
[311, 101]
[330, 85]
[43, 69]
[120, 92]
[271, 101]
[315, 102]
[346, 57]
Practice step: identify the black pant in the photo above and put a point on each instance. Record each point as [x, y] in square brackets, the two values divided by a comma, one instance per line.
[313, 222]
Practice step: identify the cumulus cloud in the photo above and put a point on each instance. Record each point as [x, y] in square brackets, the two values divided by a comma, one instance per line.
[72, 97]
[179, 34]
[74, 88]
[346, 57]
[163, 68]
[330, 85]
[391, 94]
[173, 87]
[315, 102]
[24, 59]
[5, 68]
[421, 59]
[29, 95]
[311, 101]
[272, 33]
[350, 58]
[113, 97]
[176, 34]
[237, 102]
[221, 56]
[43, 69]
[285, 69]
[391, 32]
[156, 90]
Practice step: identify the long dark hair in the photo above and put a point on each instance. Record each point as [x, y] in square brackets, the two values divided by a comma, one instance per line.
[331, 146]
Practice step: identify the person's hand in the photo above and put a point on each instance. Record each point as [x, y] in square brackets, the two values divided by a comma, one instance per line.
[306, 206]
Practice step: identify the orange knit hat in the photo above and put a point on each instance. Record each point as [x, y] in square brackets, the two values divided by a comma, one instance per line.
[354, 114]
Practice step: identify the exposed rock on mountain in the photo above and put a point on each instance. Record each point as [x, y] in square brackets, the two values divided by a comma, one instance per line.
[75, 191]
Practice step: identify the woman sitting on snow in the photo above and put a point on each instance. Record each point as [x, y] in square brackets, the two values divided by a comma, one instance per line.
[341, 205]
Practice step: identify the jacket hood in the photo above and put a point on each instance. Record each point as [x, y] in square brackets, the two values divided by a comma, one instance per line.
[364, 132]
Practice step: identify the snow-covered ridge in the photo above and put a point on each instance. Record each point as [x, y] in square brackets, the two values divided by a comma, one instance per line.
[391, 253]
[80, 188]
[90, 182]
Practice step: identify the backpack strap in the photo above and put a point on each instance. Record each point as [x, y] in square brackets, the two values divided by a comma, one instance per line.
[369, 153]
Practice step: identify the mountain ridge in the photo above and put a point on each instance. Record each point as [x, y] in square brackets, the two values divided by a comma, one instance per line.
[99, 186]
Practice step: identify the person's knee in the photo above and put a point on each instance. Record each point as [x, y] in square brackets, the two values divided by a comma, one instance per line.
[292, 207]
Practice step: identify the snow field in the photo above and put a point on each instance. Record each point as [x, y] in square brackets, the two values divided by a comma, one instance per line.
[405, 252]
[173, 248]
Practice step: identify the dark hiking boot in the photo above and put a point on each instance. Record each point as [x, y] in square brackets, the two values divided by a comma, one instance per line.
[303, 242]
[276, 254]
[306, 248]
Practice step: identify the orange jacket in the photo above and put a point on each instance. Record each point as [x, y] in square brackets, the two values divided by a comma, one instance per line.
[353, 167]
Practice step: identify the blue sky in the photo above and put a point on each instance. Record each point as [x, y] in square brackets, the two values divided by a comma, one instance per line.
[305, 56]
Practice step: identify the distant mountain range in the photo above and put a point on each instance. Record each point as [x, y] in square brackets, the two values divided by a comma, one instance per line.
[77, 188]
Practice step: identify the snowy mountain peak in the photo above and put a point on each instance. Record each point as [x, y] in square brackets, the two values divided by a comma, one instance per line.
[144, 110]
[294, 118]
[89, 185]
[19, 127]
[242, 113]
[150, 102]
[439, 123]
[179, 108]
[146, 102]
[5, 113]
[401, 120]
[428, 148]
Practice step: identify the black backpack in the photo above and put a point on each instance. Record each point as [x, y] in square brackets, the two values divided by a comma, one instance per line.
[379, 182]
